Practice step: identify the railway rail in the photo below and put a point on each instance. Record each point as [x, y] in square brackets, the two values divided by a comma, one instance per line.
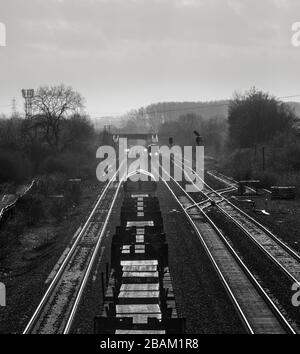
[56, 310]
[280, 253]
[259, 314]
[230, 181]
[257, 311]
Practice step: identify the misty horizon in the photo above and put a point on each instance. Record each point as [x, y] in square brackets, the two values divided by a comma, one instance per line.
[123, 55]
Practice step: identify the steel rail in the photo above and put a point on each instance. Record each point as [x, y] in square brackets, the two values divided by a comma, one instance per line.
[62, 267]
[280, 243]
[253, 280]
[90, 266]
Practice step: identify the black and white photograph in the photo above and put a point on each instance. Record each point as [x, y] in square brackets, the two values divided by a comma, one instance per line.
[149, 171]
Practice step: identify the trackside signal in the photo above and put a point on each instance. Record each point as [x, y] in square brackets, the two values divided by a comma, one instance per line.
[199, 140]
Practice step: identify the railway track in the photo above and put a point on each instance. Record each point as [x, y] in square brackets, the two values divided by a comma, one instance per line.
[281, 254]
[259, 314]
[232, 183]
[224, 179]
[257, 311]
[56, 311]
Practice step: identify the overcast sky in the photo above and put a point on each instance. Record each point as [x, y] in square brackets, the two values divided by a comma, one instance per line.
[123, 54]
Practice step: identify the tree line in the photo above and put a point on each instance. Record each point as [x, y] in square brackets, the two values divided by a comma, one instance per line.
[262, 140]
[254, 135]
[58, 137]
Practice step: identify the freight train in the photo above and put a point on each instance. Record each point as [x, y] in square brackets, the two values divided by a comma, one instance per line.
[139, 298]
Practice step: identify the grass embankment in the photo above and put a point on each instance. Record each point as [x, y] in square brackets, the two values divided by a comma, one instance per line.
[32, 241]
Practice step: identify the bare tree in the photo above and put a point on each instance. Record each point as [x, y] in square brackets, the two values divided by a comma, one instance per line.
[55, 104]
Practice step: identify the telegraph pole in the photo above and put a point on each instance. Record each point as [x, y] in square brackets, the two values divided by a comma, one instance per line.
[28, 96]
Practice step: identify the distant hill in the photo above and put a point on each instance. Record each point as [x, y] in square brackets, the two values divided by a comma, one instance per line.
[173, 110]
[154, 115]
[169, 111]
